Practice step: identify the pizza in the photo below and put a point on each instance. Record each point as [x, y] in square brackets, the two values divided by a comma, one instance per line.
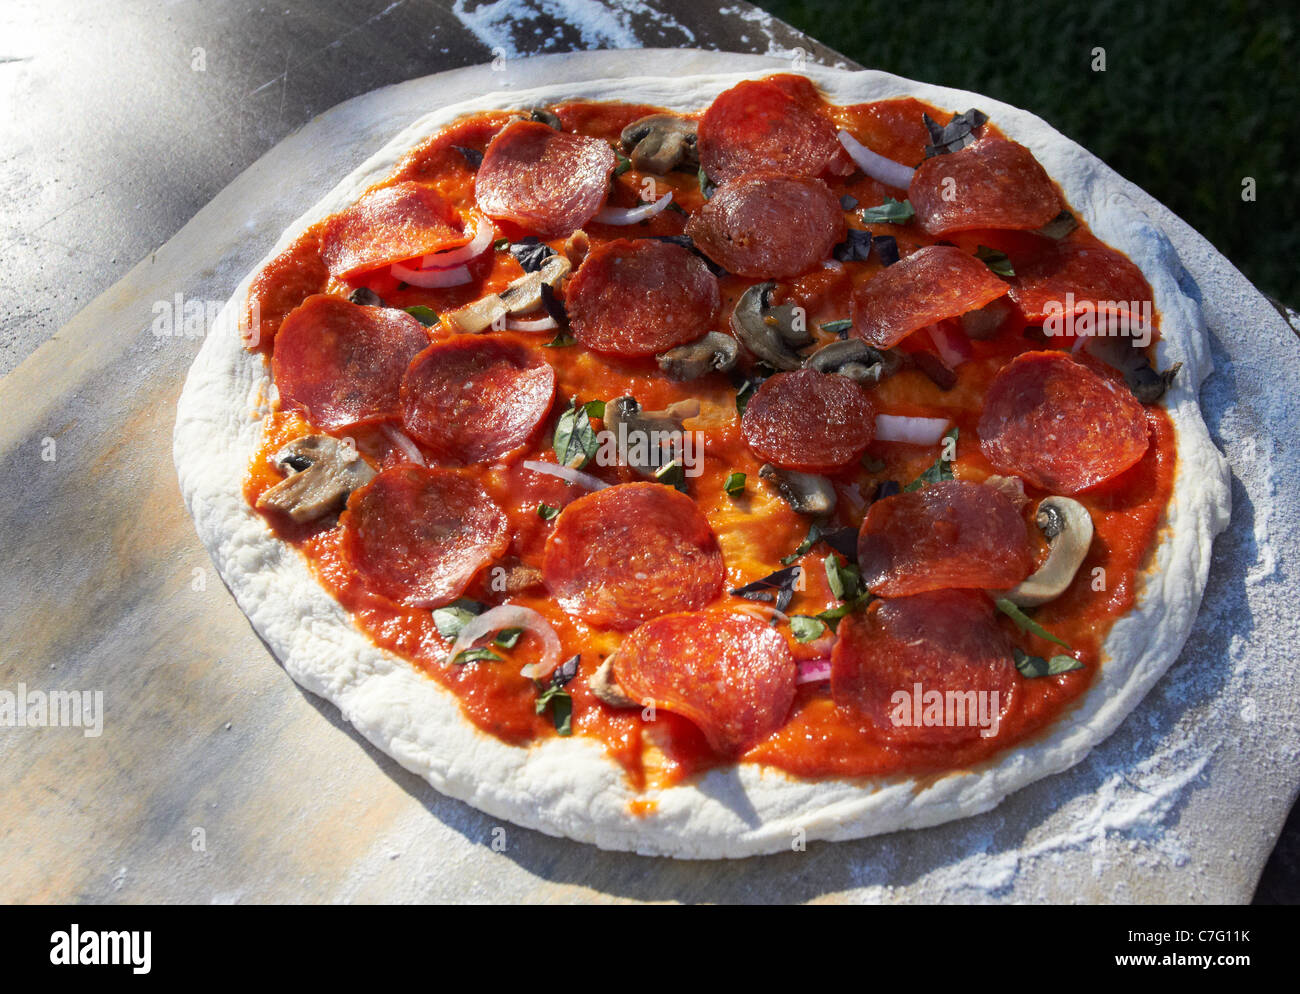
[704, 466]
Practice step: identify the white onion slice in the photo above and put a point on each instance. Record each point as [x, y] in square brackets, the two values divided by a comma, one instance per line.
[564, 473]
[537, 324]
[476, 246]
[431, 278]
[763, 611]
[887, 171]
[814, 670]
[631, 215]
[513, 616]
[404, 443]
[954, 349]
[917, 431]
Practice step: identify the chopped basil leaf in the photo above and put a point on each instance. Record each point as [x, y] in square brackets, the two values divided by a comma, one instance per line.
[885, 488]
[673, 205]
[940, 470]
[673, 474]
[575, 440]
[957, 133]
[805, 629]
[832, 617]
[508, 638]
[1026, 623]
[451, 619]
[594, 408]
[472, 155]
[554, 696]
[1036, 666]
[499, 244]
[425, 315]
[546, 512]
[855, 248]
[560, 341]
[886, 247]
[890, 212]
[707, 186]
[531, 252]
[566, 671]
[624, 164]
[848, 202]
[995, 260]
[480, 655]
[1059, 226]
[735, 484]
[845, 580]
[814, 536]
[780, 585]
[744, 393]
[844, 541]
[839, 327]
[553, 306]
[872, 465]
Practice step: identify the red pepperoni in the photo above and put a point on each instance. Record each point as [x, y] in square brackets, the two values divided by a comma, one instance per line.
[626, 554]
[995, 183]
[930, 285]
[418, 536]
[474, 399]
[730, 674]
[636, 298]
[809, 421]
[768, 225]
[390, 225]
[773, 125]
[342, 363]
[547, 181]
[947, 534]
[950, 644]
[1059, 425]
[1069, 276]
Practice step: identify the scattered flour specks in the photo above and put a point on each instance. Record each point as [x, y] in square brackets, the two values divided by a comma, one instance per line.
[508, 24]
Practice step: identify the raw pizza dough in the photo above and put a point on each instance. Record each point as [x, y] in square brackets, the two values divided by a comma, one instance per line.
[567, 786]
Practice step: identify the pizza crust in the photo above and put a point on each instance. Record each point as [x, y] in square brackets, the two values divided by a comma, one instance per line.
[568, 786]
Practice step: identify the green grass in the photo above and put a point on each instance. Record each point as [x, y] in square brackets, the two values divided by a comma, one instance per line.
[1195, 97]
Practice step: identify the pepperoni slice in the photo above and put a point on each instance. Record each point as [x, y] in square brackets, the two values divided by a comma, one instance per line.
[993, 183]
[623, 555]
[730, 674]
[1069, 276]
[390, 225]
[417, 536]
[773, 125]
[343, 363]
[768, 225]
[473, 399]
[1058, 424]
[924, 670]
[930, 285]
[636, 298]
[947, 534]
[547, 181]
[809, 421]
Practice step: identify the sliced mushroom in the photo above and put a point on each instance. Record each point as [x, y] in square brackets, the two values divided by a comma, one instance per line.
[322, 472]
[642, 434]
[520, 576]
[1148, 385]
[576, 247]
[1067, 526]
[855, 359]
[806, 493]
[713, 353]
[606, 689]
[520, 297]
[543, 116]
[771, 333]
[985, 322]
[660, 143]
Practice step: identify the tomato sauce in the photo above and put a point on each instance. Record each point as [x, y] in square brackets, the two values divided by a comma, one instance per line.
[756, 529]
